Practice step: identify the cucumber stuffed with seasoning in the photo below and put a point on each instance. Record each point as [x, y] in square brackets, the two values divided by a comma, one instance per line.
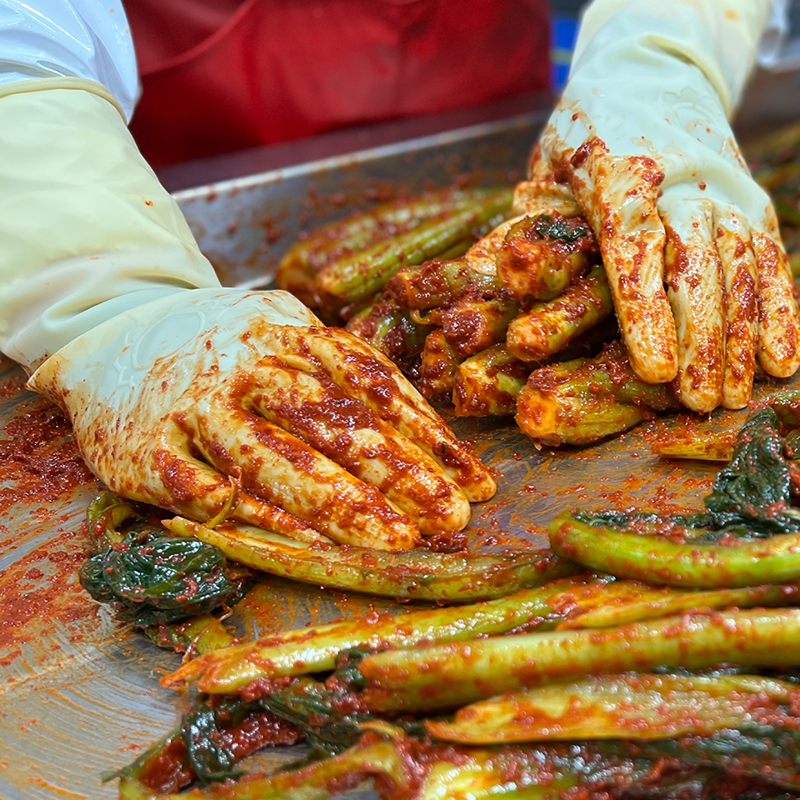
[473, 329]
[474, 325]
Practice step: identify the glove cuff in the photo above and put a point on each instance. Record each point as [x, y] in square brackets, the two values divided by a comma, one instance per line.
[87, 229]
[65, 82]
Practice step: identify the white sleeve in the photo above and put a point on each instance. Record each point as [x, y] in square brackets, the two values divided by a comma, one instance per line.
[75, 38]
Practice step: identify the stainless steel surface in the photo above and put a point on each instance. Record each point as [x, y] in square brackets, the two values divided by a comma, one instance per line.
[245, 225]
[80, 691]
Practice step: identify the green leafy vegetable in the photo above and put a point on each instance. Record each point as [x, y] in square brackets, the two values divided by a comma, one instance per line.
[565, 229]
[211, 757]
[160, 578]
[157, 578]
[755, 488]
[599, 685]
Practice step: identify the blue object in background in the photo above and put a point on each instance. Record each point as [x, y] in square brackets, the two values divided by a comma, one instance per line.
[563, 32]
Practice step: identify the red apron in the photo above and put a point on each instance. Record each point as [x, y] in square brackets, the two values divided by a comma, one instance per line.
[222, 75]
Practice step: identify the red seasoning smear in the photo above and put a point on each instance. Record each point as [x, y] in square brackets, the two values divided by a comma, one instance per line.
[39, 593]
[39, 461]
[11, 385]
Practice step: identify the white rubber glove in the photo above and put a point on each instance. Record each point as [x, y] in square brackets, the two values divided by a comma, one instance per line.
[177, 394]
[169, 399]
[642, 138]
[87, 229]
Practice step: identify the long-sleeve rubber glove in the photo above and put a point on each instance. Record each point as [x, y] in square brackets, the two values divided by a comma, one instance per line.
[180, 391]
[641, 136]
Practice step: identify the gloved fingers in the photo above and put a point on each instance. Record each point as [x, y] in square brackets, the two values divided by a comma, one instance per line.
[619, 196]
[286, 472]
[482, 255]
[538, 167]
[366, 374]
[693, 274]
[771, 227]
[254, 511]
[180, 482]
[778, 325]
[544, 197]
[193, 489]
[740, 281]
[345, 430]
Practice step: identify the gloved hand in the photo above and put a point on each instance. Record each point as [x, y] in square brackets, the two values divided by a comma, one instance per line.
[184, 394]
[642, 138]
[325, 436]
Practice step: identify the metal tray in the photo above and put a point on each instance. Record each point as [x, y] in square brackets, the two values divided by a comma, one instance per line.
[80, 691]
